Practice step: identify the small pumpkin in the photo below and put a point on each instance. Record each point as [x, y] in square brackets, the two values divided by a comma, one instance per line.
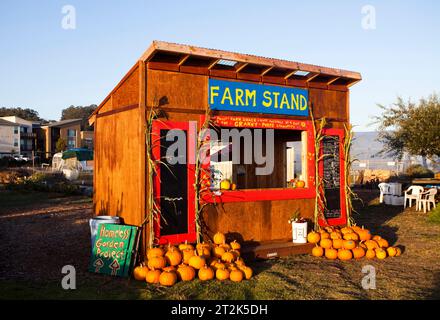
[235, 245]
[203, 251]
[370, 254]
[338, 243]
[236, 275]
[185, 246]
[240, 262]
[325, 235]
[140, 272]
[153, 276]
[381, 254]
[358, 252]
[331, 253]
[168, 278]
[187, 254]
[222, 274]
[157, 263]
[197, 262]
[326, 243]
[313, 237]
[344, 254]
[349, 244]
[186, 273]
[247, 271]
[206, 273]
[364, 234]
[346, 230]
[382, 243]
[225, 246]
[376, 237]
[236, 253]
[218, 251]
[155, 252]
[317, 251]
[173, 256]
[228, 257]
[219, 238]
[391, 251]
[218, 264]
[371, 244]
[351, 236]
[398, 251]
[335, 235]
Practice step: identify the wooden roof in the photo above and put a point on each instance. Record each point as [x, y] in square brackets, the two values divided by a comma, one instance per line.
[184, 52]
[218, 63]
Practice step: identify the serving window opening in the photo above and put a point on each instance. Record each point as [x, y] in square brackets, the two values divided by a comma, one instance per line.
[284, 153]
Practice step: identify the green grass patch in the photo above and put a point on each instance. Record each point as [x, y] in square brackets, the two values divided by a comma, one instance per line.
[434, 216]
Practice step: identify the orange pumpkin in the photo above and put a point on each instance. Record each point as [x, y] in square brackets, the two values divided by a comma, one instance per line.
[228, 257]
[203, 251]
[313, 237]
[153, 276]
[239, 262]
[173, 256]
[236, 275]
[382, 243]
[197, 262]
[370, 254]
[235, 245]
[345, 254]
[300, 184]
[185, 246]
[346, 230]
[218, 251]
[326, 243]
[187, 254]
[169, 268]
[168, 278]
[325, 235]
[338, 243]
[247, 271]
[222, 274]
[219, 238]
[155, 252]
[376, 238]
[349, 244]
[371, 244]
[140, 272]
[351, 236]
[206, 273]
[317, 251]
[331, 254]
[157, 263]
[398, 251]
[364, 234]
[358, 252]
[186, 273]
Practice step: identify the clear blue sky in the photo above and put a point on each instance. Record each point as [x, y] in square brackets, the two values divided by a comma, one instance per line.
[48, 68]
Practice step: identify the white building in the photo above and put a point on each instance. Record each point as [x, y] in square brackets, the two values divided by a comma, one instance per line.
[22, 137]
[9, 138]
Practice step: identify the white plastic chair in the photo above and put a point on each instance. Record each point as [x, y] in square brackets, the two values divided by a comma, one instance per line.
[384, 189]
[426, 199]
[411, 193]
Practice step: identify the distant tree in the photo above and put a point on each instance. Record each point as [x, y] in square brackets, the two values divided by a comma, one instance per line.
[27, 114]
[79, 112]
[410, 127]
[61, 145]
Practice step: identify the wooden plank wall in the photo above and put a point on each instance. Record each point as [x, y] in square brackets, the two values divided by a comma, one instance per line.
[118, 140]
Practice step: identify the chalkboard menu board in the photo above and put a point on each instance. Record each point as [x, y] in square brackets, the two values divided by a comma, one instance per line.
[173, 191]
[332, 176]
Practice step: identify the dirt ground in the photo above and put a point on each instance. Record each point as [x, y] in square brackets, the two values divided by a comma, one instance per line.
[40, 233]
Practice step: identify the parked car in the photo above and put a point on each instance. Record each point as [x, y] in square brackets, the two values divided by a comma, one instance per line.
[21, 158]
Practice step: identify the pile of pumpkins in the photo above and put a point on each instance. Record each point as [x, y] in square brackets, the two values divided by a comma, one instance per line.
[205, 261]
[346, 243]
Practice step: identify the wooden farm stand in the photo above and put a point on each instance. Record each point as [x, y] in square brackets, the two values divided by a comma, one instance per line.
[179, 81]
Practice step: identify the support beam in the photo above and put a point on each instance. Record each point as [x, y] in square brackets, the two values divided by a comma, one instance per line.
[212, 64]
[333, 80]
[241, 67]
[266, 71]
[291, 73]
[311, 77]
[182, 61]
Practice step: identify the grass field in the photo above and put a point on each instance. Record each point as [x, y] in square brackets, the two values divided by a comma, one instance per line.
[39, 244]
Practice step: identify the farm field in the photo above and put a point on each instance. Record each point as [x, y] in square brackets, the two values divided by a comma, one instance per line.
[49, 231]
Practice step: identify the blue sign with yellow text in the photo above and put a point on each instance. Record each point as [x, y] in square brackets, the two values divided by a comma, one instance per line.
[257, 98]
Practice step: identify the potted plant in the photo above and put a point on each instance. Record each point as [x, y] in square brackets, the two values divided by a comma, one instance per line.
[299, 227]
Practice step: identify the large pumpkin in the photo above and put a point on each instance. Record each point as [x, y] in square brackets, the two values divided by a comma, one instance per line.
[140, 272]
[206, 273]
[173, 256]
[317, 251]
[358, 252]
[186, 273]
[155, 252]
[197, 262]
[157, 263]
[345, 254]
[168, 278]
[153, 276]
[236, 275]
[313, 237]
[219, 238]
[222, 274]
[326, 243]
[331, 254]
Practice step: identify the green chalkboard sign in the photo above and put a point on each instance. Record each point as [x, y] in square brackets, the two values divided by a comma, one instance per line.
[113, 249]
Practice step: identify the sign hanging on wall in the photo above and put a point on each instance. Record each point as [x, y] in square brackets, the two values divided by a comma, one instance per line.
[257, 98]
[112, 251]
